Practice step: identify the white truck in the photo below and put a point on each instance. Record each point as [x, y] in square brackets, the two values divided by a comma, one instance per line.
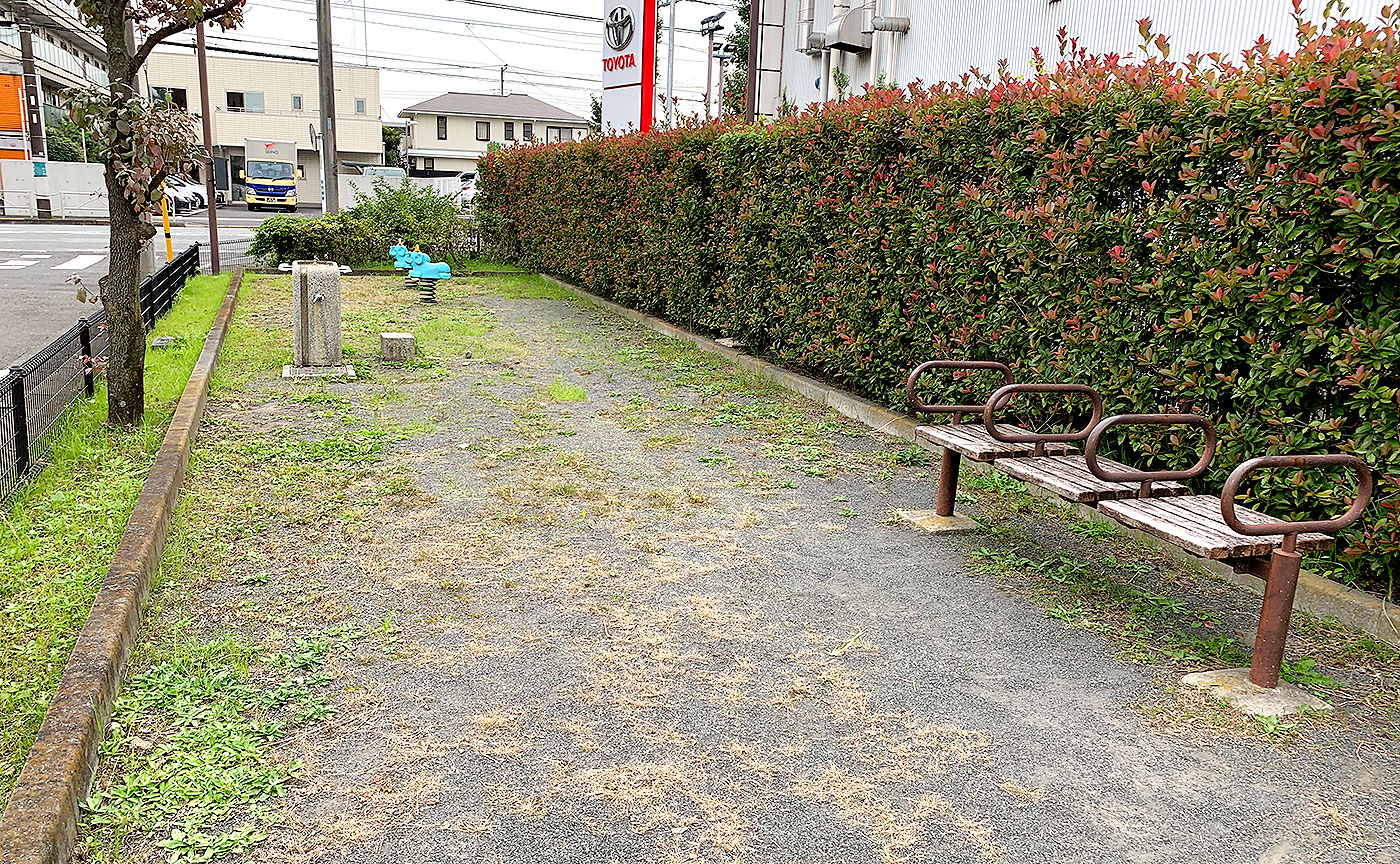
[270, 174]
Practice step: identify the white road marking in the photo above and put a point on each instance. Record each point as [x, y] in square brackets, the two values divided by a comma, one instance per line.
[82, 262]
[36, 257]
[15, 264]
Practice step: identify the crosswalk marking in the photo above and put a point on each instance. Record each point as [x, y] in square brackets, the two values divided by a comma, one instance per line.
[82, 262]
[36, 257]
[15, 264]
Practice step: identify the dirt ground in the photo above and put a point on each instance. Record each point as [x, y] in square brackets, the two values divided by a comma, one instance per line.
[566, 591]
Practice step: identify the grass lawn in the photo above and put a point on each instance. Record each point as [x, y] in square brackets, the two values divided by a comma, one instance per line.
[63, 526]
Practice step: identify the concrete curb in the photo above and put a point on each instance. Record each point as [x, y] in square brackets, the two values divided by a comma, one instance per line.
[273, 271]
[39, 825]
[1317, 595]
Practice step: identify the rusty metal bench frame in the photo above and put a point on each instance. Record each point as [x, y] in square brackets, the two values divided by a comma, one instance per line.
[1281, 567]
[952, 459]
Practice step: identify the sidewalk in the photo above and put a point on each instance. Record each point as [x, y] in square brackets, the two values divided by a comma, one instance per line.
[564, 591]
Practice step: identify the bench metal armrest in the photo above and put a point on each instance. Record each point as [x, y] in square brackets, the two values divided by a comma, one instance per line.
[918, 405]
[1002, 397]
[1132, 475]
[1364, 486]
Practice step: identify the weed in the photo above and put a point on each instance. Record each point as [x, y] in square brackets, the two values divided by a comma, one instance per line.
[559, 391]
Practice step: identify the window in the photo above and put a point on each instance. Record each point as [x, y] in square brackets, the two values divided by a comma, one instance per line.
[483, 130]
[360, 106]
[174, 95]
[557, 133]
[301, 171]
[296, 101]
[510, 131]
[244, 101]
[528, 131]
[427, 163]
[442, 128]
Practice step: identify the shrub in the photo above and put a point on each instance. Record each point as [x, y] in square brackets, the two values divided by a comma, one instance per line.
[340, 237]
[1219, 239]
[363, 233]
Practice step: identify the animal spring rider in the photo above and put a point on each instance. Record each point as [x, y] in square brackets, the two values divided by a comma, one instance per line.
[423, 272]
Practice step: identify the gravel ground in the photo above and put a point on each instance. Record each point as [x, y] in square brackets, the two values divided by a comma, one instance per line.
[630, 604]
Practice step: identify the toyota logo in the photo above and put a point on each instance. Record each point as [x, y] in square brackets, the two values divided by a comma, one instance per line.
[620, 28]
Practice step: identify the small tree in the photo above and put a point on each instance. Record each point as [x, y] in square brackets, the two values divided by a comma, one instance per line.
[142, 142]
[393, 144]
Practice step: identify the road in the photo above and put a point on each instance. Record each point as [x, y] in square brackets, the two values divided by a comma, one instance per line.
[36, 301]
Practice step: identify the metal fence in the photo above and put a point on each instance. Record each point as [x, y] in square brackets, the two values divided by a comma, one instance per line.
[232, 253]
[36, 393]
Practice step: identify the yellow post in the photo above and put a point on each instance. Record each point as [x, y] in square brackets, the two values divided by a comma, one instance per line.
[165, 220]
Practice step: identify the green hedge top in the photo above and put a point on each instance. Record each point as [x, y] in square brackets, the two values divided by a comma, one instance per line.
[1210, 237]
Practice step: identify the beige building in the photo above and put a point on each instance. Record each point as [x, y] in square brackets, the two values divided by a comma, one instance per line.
[253, 97]
[448, 133]
[66, 53]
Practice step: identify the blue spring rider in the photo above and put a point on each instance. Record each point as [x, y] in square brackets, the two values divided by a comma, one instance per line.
[424, 268]
[399, 253]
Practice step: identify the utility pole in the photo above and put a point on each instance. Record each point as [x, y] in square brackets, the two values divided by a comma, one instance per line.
[325, 58]
[503, 80]
[33, 94]
[671, 70]
[710, 26]
[210, 195]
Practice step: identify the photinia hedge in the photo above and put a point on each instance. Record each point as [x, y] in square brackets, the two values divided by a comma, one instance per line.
[1214, 237]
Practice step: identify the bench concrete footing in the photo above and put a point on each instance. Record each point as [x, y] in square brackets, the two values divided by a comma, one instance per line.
[1233, 687]
[930, 522]
[347, 372]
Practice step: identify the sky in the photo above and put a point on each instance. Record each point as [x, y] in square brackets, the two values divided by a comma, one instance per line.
[428, 47]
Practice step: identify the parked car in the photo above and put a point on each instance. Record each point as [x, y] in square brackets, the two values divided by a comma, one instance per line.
[390, 171]
[468, 189]
[189, 188]
[180, 200]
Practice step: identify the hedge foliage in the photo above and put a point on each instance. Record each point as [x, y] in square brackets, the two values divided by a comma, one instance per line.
[362, 234]
[1211, 236]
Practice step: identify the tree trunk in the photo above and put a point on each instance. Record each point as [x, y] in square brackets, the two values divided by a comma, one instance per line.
[121, 297]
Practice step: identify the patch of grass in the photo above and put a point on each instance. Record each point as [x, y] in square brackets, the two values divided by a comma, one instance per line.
[187, 764]
[1093, 529]
[523, 287]
[562, 391]
[63, 525]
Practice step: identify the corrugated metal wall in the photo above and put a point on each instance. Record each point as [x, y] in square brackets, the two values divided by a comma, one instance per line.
[947, 37]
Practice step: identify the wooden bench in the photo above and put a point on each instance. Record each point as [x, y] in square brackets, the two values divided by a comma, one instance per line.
[1066, 476]
[1220, 529]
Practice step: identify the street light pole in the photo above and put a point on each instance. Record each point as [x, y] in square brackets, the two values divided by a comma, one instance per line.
[208, 148]
[325, 58]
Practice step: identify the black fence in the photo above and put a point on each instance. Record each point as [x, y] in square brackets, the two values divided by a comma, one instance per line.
[36, 393]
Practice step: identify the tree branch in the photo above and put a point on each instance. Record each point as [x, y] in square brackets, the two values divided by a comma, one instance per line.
[207, 14]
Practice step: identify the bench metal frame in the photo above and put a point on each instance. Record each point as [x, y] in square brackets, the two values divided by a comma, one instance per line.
[1281, 568]
[952, 460]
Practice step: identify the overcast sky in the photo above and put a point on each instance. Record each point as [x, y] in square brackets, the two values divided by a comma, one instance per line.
[428, 47]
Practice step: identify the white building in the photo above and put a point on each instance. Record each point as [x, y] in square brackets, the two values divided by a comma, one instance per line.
[799, 44]
[66, 53]
[254, 97]
[448, 133]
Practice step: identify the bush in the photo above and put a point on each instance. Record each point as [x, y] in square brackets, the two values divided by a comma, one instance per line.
[361, 234]
[340, 237]
[1221, 240]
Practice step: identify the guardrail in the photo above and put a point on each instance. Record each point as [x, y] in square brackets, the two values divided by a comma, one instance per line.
[35, 394]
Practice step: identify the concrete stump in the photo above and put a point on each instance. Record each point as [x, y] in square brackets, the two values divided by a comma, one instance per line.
[316, 343]
[396, 347]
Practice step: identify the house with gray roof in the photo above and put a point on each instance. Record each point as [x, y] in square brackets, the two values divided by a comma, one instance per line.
[448, 133]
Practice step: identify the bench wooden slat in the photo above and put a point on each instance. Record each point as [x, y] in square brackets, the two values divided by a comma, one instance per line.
[973, 441]
[1181, 523]
[1205, 510]
[1069, 477]
[1193, 522]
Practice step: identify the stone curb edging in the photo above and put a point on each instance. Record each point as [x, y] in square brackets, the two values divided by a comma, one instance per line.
[1316, 595]
[39, 825]
[273, 271]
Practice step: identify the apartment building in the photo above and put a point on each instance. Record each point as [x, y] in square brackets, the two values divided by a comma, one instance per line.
[254, 97]
[449, 133]
[802, 50]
